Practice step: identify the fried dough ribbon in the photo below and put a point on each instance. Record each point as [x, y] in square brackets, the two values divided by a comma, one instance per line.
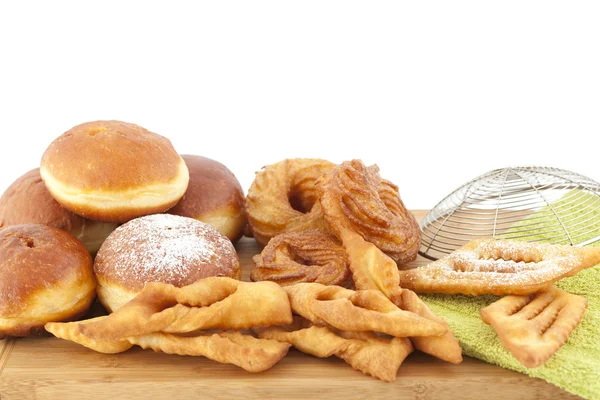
[367, 352]
[371, 269]
[210, 303]
[362, 310]
[245, 351]
[174, 320]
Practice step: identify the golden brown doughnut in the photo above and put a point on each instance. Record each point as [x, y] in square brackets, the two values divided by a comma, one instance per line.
[27, 201]
[160, 248]
[356, 198]
[283, 198]
[113, 171]
[45, 275]
[214, 195]
[307, 256]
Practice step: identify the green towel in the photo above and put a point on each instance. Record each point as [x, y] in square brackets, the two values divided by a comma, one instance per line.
[576, 366]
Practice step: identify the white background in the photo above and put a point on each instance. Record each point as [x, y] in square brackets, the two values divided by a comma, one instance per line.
[435, 93]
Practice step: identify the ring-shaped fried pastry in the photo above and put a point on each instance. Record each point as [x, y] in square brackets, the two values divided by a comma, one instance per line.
[307, 256]
[283, 198]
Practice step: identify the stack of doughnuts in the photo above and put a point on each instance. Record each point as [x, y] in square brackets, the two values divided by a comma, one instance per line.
[101, 190]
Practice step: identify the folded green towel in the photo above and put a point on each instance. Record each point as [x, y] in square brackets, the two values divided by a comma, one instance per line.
[576, 366]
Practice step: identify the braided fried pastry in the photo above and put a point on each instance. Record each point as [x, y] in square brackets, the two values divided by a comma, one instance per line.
[355, 197]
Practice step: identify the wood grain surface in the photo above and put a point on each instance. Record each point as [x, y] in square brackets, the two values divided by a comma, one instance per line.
[49, 368]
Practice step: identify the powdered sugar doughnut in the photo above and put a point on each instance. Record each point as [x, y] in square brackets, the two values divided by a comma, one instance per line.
[160, 248]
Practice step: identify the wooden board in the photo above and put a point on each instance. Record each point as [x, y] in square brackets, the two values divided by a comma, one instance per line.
[49, 368]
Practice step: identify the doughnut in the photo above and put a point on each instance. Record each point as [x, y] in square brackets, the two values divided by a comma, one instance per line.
[214, 195]
[113, 171]
[27, 201]
[45, 275]
[307, 256]
[283, 198]
[356, 198]
[160, 248]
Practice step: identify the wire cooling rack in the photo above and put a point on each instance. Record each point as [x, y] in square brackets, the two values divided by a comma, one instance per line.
[524, 203]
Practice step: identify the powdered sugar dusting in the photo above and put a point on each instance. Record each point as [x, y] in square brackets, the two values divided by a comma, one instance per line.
[165, 248]
[496, 267]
